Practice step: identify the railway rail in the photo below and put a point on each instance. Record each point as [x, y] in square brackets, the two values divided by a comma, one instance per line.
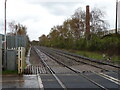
[102, 69]
[60, 82]
[94, 63]
[55, 58]
[51, 71]
[88, 59]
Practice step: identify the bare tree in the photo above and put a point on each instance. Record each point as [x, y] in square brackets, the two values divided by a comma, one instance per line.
[18, 29]
[97, 22]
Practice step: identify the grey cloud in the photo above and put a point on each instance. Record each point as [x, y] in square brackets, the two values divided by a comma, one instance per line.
[59, 8]
[56, 8]
[51, 1]
[25, 18]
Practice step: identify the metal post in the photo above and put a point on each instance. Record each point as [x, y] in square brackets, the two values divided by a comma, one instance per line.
[116, 16]
[119, 16]
[5, 46]
[16, 27]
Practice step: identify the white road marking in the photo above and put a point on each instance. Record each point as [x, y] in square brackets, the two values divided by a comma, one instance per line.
[108, 78]
[111, 78]
[42, 56]
[40, 82]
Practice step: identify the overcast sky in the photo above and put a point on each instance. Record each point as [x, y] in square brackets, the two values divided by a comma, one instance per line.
[41, 15]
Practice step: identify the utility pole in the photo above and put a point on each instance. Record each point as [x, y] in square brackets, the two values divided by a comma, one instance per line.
[116, 16]
[5, 25]
[16, 28]
[119, 15]
[5, 46]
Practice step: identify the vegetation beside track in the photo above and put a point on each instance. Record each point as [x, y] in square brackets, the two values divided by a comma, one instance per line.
[6, 72]
[97, 55]
[72, 35]
[94, 48]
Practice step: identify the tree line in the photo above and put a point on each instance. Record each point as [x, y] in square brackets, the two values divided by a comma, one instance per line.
[71, 34]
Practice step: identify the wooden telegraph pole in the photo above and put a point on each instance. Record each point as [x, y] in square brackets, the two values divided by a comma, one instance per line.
[5, 46]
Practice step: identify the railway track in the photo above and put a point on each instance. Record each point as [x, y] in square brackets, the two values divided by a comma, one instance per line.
[89, 77]
[102, 69]
[96, 64]
[87, 59]
[51, 71]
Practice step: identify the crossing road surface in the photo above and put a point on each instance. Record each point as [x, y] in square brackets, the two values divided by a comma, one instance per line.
[54, 69]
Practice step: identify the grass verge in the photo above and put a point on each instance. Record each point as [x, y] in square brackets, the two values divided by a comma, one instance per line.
[97, 55]
[9, 72]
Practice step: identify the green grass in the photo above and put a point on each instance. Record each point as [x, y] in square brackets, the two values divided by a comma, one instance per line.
[90, 54]
[9, 72]
[96, 55]
[116, 59]
[93, 55]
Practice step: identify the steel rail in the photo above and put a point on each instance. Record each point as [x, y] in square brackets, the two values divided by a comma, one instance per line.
[59, 52]
[51, 71]
[100, 74]
[76, 71]
[89, 59]
[81, 61]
